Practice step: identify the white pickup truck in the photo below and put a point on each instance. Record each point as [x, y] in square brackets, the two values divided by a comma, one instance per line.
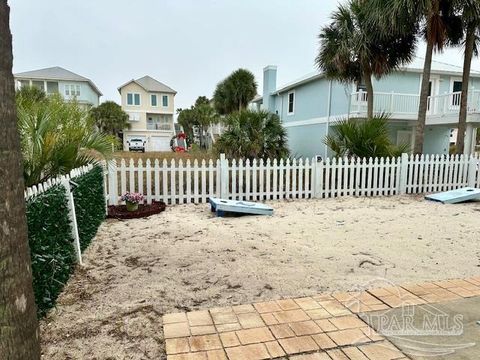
[136, 145]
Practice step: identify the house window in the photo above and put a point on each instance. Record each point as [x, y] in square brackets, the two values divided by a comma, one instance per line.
[133, 99]
[456, 89]
[72, 90]
[52, 87]
[132, 116]
[291, 102]
[153, 100]
[457, 86]
[24, 83]
[38, 84]
[165, 101]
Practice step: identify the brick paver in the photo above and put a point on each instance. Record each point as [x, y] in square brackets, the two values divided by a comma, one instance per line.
[325, 326]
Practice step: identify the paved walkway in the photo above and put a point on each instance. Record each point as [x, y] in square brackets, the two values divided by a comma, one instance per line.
[320, 327]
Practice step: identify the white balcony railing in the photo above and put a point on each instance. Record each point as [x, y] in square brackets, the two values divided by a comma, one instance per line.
[397, 104]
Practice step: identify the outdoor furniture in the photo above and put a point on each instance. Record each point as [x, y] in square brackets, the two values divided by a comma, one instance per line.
[455, 196]
[221, 207]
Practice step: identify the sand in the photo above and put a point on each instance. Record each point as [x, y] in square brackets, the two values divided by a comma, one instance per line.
[185, 258]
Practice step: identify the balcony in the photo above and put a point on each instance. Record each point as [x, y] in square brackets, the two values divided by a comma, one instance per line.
[441, 109]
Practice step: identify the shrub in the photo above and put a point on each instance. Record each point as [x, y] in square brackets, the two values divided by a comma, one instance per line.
[50, 238]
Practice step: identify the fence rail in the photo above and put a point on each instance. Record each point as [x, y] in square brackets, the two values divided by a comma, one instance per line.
[179, 182]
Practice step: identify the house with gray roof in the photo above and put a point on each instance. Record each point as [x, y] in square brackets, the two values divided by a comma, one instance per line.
[59, 80]
[150, 106]
[310, 106]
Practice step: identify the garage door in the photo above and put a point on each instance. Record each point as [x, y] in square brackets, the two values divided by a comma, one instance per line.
[160, 143]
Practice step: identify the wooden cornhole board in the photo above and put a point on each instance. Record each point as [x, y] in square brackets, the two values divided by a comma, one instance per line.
[455, 196]
[221, 207]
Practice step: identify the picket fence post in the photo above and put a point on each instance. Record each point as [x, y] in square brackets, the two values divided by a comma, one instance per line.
[318, 174]
[472, 171]
[402, 184]
[73, 218]
[223, 177]
[112, 182]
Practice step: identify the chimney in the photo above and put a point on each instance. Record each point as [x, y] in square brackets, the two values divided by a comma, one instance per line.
[269, 86]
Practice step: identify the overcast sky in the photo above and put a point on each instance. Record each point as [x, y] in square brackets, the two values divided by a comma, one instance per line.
[190, 45]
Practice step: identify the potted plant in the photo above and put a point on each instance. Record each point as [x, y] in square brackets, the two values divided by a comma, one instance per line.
[132, 200]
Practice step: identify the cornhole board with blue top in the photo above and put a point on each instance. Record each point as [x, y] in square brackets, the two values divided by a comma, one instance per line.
[221, 207]
[455, 196]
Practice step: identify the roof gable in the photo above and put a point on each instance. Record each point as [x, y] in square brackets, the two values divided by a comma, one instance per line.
[149, 84]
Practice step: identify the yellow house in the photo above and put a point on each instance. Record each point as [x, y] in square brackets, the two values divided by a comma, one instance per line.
[150, 107]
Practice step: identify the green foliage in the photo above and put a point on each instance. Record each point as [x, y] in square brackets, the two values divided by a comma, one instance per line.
[351, 47]
[49, 234]
[51, 245]
[363, 138]
[56, 136]
[89, 204]
[235, 92]
[110, 118]
[253, 134]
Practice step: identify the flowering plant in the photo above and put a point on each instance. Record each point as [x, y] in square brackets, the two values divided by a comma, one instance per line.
[133, 198]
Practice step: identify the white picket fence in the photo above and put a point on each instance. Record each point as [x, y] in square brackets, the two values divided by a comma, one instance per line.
[179, 182]
[64, 181]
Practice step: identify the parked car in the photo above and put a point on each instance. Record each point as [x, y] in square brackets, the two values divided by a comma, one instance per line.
[136, 145]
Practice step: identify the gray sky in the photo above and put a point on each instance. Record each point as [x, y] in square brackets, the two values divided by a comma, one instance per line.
[189, 45]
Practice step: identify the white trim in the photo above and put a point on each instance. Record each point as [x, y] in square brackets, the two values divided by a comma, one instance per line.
[168, 101]
[289, 113]
[313, 121]
[143, 111]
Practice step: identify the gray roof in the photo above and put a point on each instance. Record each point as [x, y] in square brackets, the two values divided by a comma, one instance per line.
[150, 84]
[56, 73]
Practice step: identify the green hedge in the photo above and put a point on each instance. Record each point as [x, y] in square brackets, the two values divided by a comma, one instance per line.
[49, 234]
[89, 205]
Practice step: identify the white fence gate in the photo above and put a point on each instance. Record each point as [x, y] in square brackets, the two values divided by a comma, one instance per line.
[178, 182]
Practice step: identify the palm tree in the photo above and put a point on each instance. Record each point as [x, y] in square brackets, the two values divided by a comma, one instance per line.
[18, 317]
[110, 118]
[205, 115]
[363, 138]
[351, 49]
[235, 92]
[56, 137]
[438, 24]
[253, 134]
[471, 20]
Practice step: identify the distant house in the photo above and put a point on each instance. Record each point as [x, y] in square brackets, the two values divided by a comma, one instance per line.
[59, 80]
[309, 107]
[150, 106]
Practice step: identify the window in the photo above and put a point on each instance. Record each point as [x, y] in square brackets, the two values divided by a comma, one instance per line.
[457, 86]
[38, 84]
[133, 116]
[52, 87]
[165, 101]
[133, 99]
[153, 100]
[72, 90]
[291, 102]
[24, 83]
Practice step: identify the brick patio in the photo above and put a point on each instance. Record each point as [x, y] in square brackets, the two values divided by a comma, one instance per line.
[318, 327]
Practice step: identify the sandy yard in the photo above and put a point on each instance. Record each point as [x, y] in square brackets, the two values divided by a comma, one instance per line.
[186, 259]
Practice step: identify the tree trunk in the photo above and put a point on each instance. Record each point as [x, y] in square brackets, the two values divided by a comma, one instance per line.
[467, 62]
[18, 318]
[422, 108]
[367, 74]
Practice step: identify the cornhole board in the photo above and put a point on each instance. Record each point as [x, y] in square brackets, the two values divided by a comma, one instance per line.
[455, 196]
[221, 206]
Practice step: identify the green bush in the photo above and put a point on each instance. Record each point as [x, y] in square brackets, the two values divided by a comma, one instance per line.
[50, 238]
[89, 204]
[51, 245]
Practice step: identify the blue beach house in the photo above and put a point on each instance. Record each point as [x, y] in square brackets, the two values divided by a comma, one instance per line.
[310, 106]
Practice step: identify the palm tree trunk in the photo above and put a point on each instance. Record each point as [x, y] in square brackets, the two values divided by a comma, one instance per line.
[18, 318]
[367, 74]
[422, 108]
[467, 63]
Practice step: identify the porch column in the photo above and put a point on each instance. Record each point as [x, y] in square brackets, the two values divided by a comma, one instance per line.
[469, 139]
